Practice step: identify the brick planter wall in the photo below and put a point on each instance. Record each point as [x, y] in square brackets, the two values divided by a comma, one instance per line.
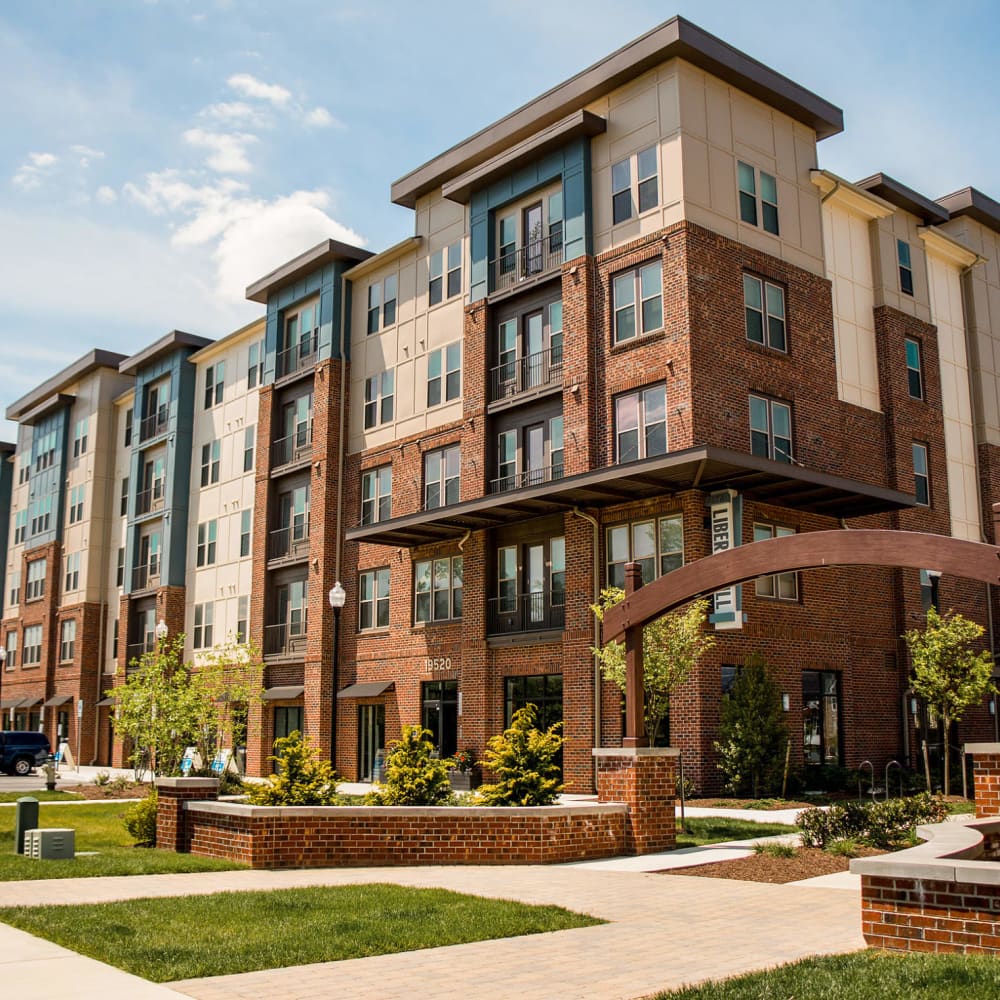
[172, 794]
[645, 779]
[985, 777]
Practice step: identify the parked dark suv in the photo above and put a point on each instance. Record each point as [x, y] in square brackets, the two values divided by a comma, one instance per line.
[20, 752]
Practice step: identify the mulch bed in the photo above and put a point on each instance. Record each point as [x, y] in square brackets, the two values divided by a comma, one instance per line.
[767, 804]
[808, 862]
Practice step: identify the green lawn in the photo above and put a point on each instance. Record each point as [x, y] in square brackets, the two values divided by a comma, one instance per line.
[863, 975]
[98, 828]
[194, 936]
[42, 796]
[703, 830]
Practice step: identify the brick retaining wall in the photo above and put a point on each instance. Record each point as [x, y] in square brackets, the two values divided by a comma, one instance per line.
[985, 777]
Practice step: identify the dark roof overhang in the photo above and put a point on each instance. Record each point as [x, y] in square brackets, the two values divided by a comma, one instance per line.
[316, 257]
[169, 342]
[704, 467]
[974, 204]
[82, 366]
[371, 689]
[906, 198]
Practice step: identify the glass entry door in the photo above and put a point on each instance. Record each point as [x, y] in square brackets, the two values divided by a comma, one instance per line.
[371, 738]
[287, 720]
[440, 714]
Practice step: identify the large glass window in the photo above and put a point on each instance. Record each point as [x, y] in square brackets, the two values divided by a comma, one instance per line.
[211, 461]
[657, 545]
[215, 380]
[442, 280]
[442, 468]
[641, 424]
[626, 196]
[437, 585]
[374, 598]
[820, 717]
[439, 714]
[544, 691]
[770, 429]
[638, 298]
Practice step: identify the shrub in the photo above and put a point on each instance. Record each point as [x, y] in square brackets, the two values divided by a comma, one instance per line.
[304, 778]
[413, 775]
[140, 820]
[102, 778]
[775, 849]
[524, 760]
[843, 848]
[879, 824]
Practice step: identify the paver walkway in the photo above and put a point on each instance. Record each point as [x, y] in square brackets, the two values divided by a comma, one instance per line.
[663, 932]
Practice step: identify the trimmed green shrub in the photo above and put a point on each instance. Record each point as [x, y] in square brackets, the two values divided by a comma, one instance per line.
[524, 760]
[879, 824]
[140, 820]
[304, 779]
[776, 849]
[413, 775]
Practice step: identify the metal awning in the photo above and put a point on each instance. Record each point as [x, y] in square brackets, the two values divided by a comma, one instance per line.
[57, 700]
[284, 693]
[10, 703]
[704, 467]
[104, 702]
[28, 702]
[369, 690]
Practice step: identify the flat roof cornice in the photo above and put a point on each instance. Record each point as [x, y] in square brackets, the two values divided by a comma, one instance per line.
[297, 267]
[906, 198]
[83, 366]
[676, 38]
[975, 205]
[169, 342]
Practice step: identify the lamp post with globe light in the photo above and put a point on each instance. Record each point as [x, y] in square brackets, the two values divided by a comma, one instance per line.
[338, 597]
[3, 666]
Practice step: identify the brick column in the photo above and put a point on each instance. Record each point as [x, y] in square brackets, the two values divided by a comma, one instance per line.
[172, 793]
[985, 777]
[645, 779]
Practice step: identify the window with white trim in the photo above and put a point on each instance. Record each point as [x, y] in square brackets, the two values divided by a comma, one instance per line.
[758, 193]
[376, 495]
[243, 618]
[35, 587]
[657, 545]
[764, 307]
[80, 437]
[444, 374]
[205, 553]
[442, 468]
[76, 495]
[32, 646]
[921, 474]
[379, 397]
[72, 581]
[255, 365]
[215, 380]
[437, 589]
[779, 586]
[770, 429]
[204, 624]
[249, 447]
[11, 660]
[373, 598]
[445, 282]
[905, 267]
[211, 460]
[628, 198]
[638, 301]
[67, 640]
[641, 424]
[914, 369]
[14, 594]
[246, 532]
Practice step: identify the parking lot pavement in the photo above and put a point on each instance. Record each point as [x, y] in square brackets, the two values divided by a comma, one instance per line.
[68, 777]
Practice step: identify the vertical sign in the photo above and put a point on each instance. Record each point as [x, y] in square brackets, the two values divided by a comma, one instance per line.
[725, 517]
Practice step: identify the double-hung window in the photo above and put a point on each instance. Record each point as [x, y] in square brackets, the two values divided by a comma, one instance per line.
[72, 580]
[249, 446]
[764, 305]
[382, 297]
[14, 594]
[204, 622]
[373, 598]
[905, 267]
[921, 474]
[780, 586]
[643, 195]
[374, 305]
[445, 274]
[207, 533]
[32, 645]
[215, 379]
[437, 587]
[255, 365]
[657, 545]
[246, 532]
[914, 370]
[76, 504]
[376, 495]
[67, 640]
[758, 194]
[444, 374]
[641, 424]
[80, 437]
[211, 456]
[11, 660]
[442, 468]
[35, 587]
[638, 301]
[379, 397]
[770, 429]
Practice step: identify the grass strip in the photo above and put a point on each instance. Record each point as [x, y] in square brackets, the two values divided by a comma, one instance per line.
[42, 796]
[195, 936]
[702, 830]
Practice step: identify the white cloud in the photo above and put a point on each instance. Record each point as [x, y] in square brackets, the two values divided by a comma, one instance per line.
[232, 112]
[106, 195]
[320, 118]
[31, 172]
[227, 151]
[250, 86]
[86, 154]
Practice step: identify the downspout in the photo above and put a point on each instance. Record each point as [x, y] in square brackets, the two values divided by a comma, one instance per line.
[597, 633]
[343, 429]
[829, 194]
[464, 539]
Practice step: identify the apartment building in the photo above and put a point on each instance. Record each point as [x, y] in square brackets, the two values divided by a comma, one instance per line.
[635, 317]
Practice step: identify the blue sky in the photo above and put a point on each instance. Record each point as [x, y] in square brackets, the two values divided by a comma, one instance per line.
[159, 155]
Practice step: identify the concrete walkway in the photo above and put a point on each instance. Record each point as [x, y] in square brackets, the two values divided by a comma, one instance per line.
[662, 933]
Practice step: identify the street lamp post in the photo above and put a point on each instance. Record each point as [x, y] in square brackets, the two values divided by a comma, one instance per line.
[3, 664]
[161, 635]
[338, 597]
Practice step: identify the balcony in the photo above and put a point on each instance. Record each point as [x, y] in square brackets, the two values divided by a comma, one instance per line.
[146, 577]
[135, 650]
[149, 501]
[529, 477]
[296, 447]
[532, 261]
[527, 374]
[297, 357]
[154, 424]
[289, 543]
[285, 639]
[525, 613]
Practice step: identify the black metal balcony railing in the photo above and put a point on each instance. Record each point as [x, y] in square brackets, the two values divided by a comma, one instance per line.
[529, 477]
[154, 424]
[290, 542]
[285, 639]
[297, 357]
[525, 613]
[293, 448]
[149, 500]
[524, 374]
[135, 650]
[534, 259]
[146, 577]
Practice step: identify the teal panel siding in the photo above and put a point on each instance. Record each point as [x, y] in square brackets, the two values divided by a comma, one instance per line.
[50, 482]
[6, 498]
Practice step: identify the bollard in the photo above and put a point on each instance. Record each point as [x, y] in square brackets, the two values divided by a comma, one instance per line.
[25, 818]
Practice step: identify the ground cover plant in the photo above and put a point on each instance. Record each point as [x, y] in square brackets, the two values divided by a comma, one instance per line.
[703, 830]
[244, 931]
[863, 975]
[99, 828]
[885, 824]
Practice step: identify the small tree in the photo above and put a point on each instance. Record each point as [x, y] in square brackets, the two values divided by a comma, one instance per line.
[524, 760]
[413, 774]
[671, 646]
[947, 674]
[305, 778]
[752, 733]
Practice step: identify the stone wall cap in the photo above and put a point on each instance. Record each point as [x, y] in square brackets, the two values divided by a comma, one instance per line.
[373, 812]
[636, 752]
[986, 748]
[191, 783]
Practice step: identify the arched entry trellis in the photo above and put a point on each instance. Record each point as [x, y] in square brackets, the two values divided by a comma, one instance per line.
[811, 550]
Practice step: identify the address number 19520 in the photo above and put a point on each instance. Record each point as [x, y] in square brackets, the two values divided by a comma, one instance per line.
[432, 663]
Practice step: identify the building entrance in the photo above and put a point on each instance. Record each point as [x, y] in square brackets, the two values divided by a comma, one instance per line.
[440, 714]
[371, 738]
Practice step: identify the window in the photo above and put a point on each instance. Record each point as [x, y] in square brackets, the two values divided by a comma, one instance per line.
[389, 292]
[645, 286]
[914, 370]
[441, 476]
[508, 243]
[441, 283]
[544, 691]
[120, 568]
[129, 417]
[255, 365]
[41, 515]
[780, 586]
[529, 455]
[730, 671]
[11, 660]
[749, 202]
[35, 588]
[80, 437]
[531, 587]
[72, 581]
[123, 506]
[764, 305]
[374, 306]
[246, 532]
[921, 474]
[115, 632]
[148, 570]
[211, 454]
[444, 374]
[67, 640]
[905, 267]
[215, 378]
[376, 495]
[32, 645]
[298, 339]
[204, 620]
[646, 192]
[249, 445]
[379, 391]
[76, 504]
[20, 526]
[820, 717]
[657, 545]
[437, 586]
[770, 429]
[243, 619]
[15, 587]
[293, 611]
[641, 424]
[555, 206]
[23, 470]
[206, 543]
[44, 447]
[374, 598]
